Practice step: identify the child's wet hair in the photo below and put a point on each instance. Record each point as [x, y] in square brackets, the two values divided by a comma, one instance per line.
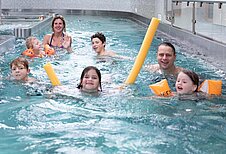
[100, 36]
[193, 76]
[18, 61]
[29, 42]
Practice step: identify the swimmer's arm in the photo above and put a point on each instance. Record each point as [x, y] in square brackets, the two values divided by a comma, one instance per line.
[113, 54]
[172, 94]
[62, 92]
[67, 43]
[123, 57]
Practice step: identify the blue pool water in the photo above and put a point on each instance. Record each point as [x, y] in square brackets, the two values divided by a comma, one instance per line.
[126, 121]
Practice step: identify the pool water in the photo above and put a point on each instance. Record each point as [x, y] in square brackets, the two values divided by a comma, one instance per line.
[116, 121]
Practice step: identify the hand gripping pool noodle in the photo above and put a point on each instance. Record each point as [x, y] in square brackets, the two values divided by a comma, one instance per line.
[143, 51]
[51, 74]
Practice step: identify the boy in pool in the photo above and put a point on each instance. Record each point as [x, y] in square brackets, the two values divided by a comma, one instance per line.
[20, 70]
[98, 44]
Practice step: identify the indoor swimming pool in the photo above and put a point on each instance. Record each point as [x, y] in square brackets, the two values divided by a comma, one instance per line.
[124, 120]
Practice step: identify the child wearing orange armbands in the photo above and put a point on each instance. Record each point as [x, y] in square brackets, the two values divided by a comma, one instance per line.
[35, 49]
[186, 86]
[187, 83]
[210, 87]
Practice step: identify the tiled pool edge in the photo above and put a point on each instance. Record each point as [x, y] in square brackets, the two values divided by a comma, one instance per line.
[24, 32]
[7, 42]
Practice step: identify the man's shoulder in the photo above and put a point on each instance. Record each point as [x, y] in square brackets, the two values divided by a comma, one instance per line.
[152, 67]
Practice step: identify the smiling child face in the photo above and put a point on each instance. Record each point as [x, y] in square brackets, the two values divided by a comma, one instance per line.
[90, 81]
[184, 84]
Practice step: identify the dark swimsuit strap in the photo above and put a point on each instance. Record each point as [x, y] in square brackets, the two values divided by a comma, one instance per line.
[51, 39]
[50, 42]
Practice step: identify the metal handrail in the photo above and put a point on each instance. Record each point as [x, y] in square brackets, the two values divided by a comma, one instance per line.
[206, 1]
[220, 3]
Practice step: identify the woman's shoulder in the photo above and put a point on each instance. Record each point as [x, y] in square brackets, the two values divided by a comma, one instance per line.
[46, 39]
[47, 36]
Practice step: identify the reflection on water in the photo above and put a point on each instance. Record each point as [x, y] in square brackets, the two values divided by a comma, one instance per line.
[121, 119]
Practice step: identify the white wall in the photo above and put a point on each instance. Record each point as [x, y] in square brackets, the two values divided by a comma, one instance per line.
[144, 8]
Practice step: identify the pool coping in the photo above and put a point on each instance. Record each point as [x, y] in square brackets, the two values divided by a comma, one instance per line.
[24, 32]
[209, 50]
[7, 42]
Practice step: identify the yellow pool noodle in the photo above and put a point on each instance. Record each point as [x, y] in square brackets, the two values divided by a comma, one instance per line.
[51, 74]
[143, 51]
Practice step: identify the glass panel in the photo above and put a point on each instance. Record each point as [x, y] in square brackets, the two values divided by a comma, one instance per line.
[183, 15]
[168, 6]
[211, 21]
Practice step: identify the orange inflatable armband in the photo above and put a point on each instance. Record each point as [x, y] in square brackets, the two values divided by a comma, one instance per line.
[161, 88]
[48, 50]
[29, 53]
[212, 87]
